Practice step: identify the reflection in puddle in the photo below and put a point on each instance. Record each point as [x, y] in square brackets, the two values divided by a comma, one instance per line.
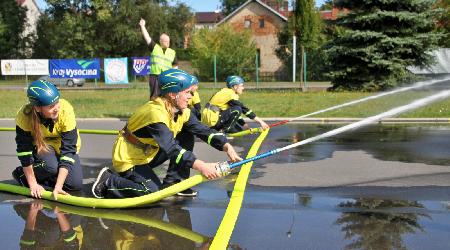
[268, 220]
[379, 230]
[68, 227]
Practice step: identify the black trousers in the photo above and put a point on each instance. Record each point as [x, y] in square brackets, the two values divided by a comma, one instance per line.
[153, 84]
[230, 120]
[137, 181]
[176, 173]
[46, 169]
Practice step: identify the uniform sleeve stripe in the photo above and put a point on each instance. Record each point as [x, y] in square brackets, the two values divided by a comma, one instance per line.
[66, 158]
[249, 112]
[24, 153]
[180, 155]
[211, 136]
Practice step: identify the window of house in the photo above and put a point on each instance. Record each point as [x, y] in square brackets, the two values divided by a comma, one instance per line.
[247, 23]
[261, 22]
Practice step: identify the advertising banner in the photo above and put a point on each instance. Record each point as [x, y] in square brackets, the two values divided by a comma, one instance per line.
[116, 70]
[76, 68]
[31, 67]
[141, 65]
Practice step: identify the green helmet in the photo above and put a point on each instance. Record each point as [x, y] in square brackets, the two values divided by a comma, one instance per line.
[174, 81]
[42, 93]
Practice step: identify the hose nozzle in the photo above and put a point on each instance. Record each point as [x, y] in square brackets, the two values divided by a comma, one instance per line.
[223, 168]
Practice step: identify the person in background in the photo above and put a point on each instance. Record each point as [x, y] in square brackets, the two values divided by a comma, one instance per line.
[195, 103]
[224, 110]
[162, 58]
[48, 142]
[148, 140]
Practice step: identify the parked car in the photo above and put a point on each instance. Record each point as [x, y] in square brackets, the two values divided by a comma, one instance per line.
[70, 82]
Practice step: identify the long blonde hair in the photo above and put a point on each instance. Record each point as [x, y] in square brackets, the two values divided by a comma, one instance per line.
[170, 106]
[38, 137]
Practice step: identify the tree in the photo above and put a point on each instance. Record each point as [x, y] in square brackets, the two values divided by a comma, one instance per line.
[235, 52]
[107, 28]
[327, 5]
[366, 229]
[2, 25]
[378, 40]
[229, 6]
[306, 24]
[13, 22]
[444, 23]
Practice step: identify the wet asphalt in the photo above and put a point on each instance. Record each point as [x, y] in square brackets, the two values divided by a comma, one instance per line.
[378, 187]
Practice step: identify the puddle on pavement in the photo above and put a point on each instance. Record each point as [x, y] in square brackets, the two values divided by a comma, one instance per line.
[270, 218]
[267, 220]
[406, 143]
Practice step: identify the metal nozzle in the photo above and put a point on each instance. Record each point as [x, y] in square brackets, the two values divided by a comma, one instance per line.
[223, 168]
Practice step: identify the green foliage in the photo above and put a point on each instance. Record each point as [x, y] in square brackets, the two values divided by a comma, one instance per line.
[307, 26]
[12, 24]
[327, 5]
[378, 40]
[443, 25]
[184, 54]
[107, 28]
[235, 52]
[229, 6]
[2, 25]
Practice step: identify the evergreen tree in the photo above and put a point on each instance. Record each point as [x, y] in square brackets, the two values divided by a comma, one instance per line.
[13, 22]
[444, 23]
[378, 40]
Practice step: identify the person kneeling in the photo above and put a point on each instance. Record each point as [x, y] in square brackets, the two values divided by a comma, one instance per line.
[147, 140]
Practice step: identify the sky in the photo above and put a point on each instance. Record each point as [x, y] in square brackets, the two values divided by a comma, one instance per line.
[196, 5]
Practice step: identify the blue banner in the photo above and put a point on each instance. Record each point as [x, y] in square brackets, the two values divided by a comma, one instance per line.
[116, 70]
[141, 65]
[76, 68]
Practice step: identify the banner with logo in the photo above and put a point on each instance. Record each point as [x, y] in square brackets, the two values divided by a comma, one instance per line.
[31, 67]
[77, 68]
[116, 70]
[141, 65]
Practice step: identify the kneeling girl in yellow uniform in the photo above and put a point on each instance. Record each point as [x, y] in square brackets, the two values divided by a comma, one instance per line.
[186, 140]
[223, 111]
[148, 140]
[48, 142]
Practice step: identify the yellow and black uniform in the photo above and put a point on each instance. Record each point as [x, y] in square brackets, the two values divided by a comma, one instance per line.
[224, 110]
[195, 106]
[162, 59]
[43, 229]
[147, 141]
[186, 140]
[64, 143]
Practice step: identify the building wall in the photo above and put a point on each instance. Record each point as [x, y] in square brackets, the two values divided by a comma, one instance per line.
[265, 38]
[33, 14]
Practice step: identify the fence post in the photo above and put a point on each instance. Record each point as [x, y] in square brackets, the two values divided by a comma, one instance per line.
[304, 70]
[257, 69]
[215, 71]
[25, 69]
[294, 57]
